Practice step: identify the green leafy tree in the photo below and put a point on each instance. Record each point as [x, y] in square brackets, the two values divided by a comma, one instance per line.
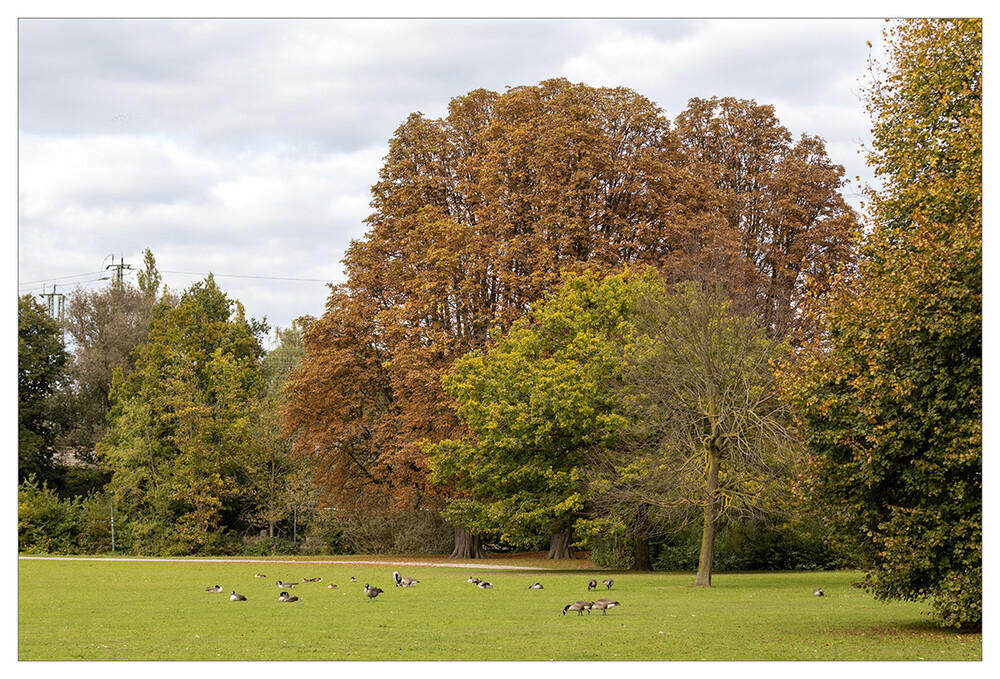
[890, 402]
[183, 420]
[41, 370]
[535, 400]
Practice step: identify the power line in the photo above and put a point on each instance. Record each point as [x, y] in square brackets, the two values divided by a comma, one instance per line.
[269, 278]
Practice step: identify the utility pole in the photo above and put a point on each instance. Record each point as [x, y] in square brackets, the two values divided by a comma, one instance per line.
[120, 266]
[55, 302]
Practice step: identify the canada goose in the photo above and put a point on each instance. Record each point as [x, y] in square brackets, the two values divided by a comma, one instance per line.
[285, 597]
[579, 607]
[260, 575]
[214, 590]
[537, 585]
[817, 592]
[604, 604]
[353, 579]
[592, 585]
[371, 592]
[236, 597]
[331, 586]
[608, 583]
[473, 580]
[286, 585]
[403, 582]
[485, 585]
[311, 579]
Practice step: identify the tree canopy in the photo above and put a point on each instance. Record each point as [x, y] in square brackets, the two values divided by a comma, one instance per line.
[890, 401]
[476, 217]
[535, 400]
[41, 368]
[182, 421]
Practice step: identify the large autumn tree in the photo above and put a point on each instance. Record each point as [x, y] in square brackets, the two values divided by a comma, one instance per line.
[781, 197]
[890, 401]
[475, 217]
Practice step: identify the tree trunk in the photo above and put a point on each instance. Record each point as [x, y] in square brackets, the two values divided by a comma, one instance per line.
[559, 545]
[640, 546]
[641, 560]
[704, 578]
[467, 545]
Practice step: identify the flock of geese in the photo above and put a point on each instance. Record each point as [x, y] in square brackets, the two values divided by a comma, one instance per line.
[371, 592]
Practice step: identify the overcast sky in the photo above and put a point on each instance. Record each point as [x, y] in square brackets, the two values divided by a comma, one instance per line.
[247, 148]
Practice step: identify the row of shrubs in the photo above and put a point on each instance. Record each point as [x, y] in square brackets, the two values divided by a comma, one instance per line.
[50, 525]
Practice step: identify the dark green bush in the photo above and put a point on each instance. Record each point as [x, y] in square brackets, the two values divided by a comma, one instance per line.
[45, 523]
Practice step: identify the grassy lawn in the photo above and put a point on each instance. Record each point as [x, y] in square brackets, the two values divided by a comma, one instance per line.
[158, 610]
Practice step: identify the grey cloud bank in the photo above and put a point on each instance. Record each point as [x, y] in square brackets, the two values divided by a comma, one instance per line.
[248, 147]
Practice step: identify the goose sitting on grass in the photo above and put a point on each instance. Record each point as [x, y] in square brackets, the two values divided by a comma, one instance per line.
[579, 607]
[214, 590]
[485, 585]
[236, 597]
[604, 604]
[474, 581]
[286, 585]
[817, 592]
[285, 597]
[311, 579]
[260, 575]
[403, 582]
[537, 585]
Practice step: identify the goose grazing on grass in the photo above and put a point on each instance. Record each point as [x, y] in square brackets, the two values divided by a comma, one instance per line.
[371, 592]
[285, 597]
[403, 582]
[592, 585]
[236, 597]
[485, 585]
[537, 585]
[214, 590]
[579, 607]
[604, 604]
[473, 580]
[817, 592]
[608, 583]
[286, 585]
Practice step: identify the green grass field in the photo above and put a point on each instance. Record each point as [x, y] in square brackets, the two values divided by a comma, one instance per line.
[158, 610]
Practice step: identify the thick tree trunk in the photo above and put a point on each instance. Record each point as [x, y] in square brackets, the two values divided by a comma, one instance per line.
[704, 577]
[467, 545]
[640, 552]
[559, 545]
[641, 560]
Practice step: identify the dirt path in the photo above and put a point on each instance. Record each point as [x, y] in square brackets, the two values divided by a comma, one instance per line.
[380, 562]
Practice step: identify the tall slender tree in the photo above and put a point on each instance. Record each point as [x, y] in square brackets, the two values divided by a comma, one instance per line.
[890, 401]
[182, 421]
